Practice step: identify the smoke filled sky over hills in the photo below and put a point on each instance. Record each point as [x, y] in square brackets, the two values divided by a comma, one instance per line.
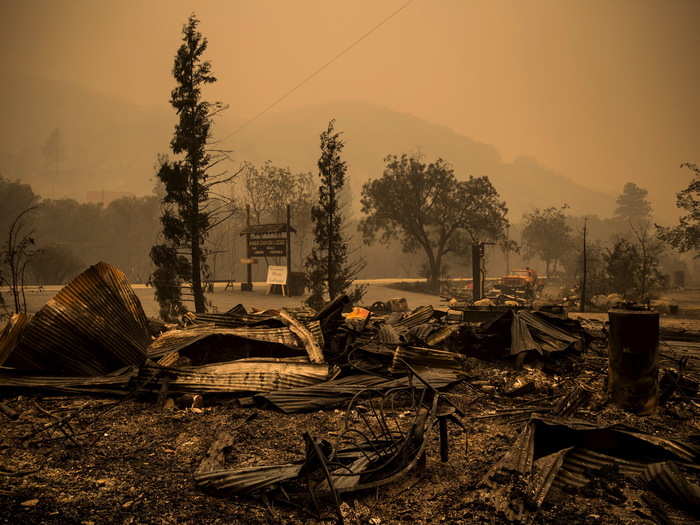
[603, 92]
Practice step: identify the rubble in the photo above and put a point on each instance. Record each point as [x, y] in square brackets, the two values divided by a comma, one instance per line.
[376, 388]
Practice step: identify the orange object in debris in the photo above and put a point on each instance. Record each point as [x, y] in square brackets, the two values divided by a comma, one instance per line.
[357, 313]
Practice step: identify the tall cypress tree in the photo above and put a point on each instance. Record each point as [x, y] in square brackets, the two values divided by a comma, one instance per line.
[328, 271]
[186, 218]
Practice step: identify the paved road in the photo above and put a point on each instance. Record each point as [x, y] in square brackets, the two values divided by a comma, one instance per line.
[377, 291]
[223, 300]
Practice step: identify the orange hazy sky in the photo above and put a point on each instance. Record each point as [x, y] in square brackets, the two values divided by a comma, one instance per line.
[604, 91]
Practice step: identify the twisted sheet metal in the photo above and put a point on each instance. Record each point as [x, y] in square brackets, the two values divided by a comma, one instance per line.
[572, 464]
[386, 334]
[93, 326]
[228, 321]
[247, 375]
[237, 317]
[580, 461]
[419, 316]
[116, 383]
[425, 357]
[306, 338]
[531, 333]
[669, 481]
[366, 454]
[175, 340]
[422, 331]
[337, 391]
[440, 335]
[248, 479]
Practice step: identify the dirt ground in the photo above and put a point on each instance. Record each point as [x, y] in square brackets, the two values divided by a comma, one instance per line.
[133, 462]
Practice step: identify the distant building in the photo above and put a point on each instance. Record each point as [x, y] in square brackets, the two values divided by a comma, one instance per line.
[105, 196]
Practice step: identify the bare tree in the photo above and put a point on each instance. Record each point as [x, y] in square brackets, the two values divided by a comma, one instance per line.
[17, 254]
[649, 249]
[269, 189]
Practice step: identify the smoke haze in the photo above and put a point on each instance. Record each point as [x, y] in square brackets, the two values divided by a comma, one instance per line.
[598, 92]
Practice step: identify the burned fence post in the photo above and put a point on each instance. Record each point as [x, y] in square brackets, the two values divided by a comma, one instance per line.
[444, 443]
[585, 267]
[633, 360]
[289, 240]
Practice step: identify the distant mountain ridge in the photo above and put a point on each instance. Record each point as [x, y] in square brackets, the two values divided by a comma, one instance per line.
[113, 145]
[372, 132]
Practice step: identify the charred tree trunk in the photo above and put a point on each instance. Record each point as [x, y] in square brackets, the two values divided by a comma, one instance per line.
[197, 291]
[433, 276]
[331, 269]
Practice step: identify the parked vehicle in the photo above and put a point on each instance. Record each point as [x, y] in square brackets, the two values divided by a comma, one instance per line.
[522, 284]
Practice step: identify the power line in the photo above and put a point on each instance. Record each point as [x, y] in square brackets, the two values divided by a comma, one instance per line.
[317, 71]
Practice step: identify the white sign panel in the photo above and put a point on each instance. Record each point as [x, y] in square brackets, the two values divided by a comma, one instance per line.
[277, 275]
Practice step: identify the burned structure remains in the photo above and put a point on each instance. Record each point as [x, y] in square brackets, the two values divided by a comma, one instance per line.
[531, 400]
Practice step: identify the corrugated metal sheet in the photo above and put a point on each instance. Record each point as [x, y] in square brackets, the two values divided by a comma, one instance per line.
[442, 334]
[305, 337]
[422, 331]
[247, 375]
[248, 479]
[676, 449]
[666, 478]
[386, 334]
[570, 444]
[116, 383]
[226, 320]
[419, 316]
[519, 458]
[175, 340]
[238, 316]
[365, 454]
[93, 326]
[582, 460]
[281, 335]
[337, 391]
[531, 333]
[521, 339]
[573, 401]
[243, 375]
[544, 473]
[425, 357]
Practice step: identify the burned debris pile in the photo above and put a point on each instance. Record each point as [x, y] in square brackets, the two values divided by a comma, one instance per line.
[403, 383]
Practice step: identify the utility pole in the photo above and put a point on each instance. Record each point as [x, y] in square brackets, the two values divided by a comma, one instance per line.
[585, 267]
[477, 253]
[249, 267]
[508, 250]
[289, 241]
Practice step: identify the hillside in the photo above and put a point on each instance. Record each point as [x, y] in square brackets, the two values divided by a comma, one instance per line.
[372, 132]
[112, 145]
[107, 144]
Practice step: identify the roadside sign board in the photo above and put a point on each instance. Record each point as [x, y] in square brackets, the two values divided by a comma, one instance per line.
[277, 275]
[267, 247]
